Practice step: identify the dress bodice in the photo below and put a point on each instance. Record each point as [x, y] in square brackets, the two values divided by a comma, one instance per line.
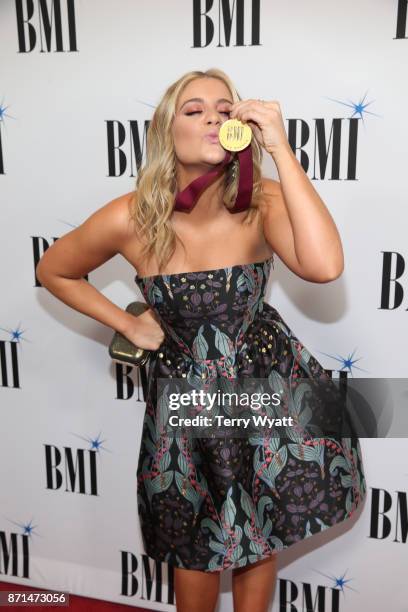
[205, 314]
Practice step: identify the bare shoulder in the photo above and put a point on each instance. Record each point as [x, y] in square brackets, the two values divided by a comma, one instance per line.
[114, 221]
[104, 234]
[116, 215]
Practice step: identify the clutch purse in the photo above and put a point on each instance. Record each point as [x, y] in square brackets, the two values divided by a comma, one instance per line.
[123, 350]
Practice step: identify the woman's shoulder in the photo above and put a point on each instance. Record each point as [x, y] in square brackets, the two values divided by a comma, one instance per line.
[124, 203]
[117, 213]
[112, 223]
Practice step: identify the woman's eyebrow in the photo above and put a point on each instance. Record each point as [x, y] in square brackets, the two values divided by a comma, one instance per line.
[201, 100]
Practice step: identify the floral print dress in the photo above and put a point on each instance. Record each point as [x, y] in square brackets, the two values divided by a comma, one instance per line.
[215, 504]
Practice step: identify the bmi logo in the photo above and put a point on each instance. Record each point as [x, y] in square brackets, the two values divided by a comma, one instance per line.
[47, 26]
[237, 23]
[392, 290]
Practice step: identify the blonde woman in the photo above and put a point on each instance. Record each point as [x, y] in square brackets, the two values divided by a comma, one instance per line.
[217, 503]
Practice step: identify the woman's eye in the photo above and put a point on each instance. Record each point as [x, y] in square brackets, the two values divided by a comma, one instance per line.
[195, 112]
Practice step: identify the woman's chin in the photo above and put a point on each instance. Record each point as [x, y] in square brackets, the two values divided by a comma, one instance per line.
[216, 157]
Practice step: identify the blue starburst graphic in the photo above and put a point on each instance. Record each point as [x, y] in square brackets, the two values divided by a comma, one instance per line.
[338, 583]
[3, 111]
[16, 334]
[3, 114]
[146, 103]
[358, 108]
[347, 362]
[67, 223]
[28, 528]
[95, 443]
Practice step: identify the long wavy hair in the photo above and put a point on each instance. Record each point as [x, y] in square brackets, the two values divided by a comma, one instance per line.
[156, 184]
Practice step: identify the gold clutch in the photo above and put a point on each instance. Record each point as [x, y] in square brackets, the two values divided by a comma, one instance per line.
[123, 350]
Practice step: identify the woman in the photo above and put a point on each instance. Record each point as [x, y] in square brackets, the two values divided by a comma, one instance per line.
[206, 508]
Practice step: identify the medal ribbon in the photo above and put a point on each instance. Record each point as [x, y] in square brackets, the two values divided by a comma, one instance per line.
[186, 199]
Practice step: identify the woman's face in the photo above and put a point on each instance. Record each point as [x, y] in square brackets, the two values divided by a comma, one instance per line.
[201, 109]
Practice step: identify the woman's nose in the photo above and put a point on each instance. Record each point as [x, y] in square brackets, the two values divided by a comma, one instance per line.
[214, 116]
[214, 120]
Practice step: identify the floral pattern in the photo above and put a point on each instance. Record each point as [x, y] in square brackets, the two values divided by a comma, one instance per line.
[213, 504]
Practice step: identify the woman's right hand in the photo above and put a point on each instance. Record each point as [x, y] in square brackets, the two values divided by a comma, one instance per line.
[144, 330]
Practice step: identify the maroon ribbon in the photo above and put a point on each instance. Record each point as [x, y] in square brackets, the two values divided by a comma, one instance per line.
[186, 199]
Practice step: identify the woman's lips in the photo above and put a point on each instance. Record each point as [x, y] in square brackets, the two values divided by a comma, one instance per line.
[213, 139]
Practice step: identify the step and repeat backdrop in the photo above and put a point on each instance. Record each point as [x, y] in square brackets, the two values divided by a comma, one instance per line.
[79, 83]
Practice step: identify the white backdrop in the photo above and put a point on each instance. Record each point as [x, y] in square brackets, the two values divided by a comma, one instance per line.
[332, 66]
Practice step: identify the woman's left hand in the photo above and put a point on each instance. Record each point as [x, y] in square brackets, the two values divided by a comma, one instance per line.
[265, 120]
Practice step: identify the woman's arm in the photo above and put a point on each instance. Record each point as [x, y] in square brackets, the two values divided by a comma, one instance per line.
[298, 225]
[98, 239]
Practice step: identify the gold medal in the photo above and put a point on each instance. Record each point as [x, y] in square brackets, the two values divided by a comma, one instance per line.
[234, 135]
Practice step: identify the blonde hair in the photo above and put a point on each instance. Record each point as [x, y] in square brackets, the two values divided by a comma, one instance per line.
[156, 183]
